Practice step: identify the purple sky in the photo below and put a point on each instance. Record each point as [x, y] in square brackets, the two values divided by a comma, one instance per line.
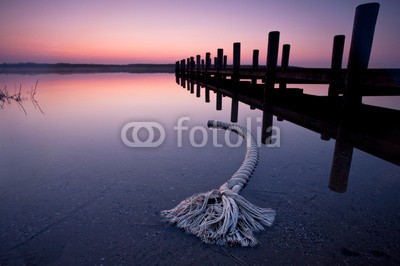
[122, 32]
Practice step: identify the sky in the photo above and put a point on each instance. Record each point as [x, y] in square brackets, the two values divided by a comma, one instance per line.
[156, 31]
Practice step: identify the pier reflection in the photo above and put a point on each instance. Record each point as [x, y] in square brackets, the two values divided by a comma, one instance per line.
[372, 129]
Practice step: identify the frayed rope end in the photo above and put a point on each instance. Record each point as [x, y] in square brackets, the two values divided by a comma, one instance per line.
[220, 216]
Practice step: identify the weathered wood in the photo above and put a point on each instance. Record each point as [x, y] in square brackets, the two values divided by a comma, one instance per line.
[208, 61]
[198, 62]
[360, 51]
[284, 62]
[255, 64]
[234, 110]
[336, 64]
[220, 55]
[225, 61]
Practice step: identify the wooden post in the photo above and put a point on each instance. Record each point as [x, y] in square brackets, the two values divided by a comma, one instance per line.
[191, 86]
[192, 64]
[225, 61]
[198, 90]
[197, 62]
[272, 60]
[256, 54]
[284, 62]
[207, 95]
[208, 60]
[285, 55]
[360, 51]
[177, 67]
[236, 61]
[187, 66]
[272, 52]
[234, 110]
[267, 122]
[336, 64]
[202, 63]
[219, 100]
[183, 83]
[215, 62]
[220, 54]
[183, 67]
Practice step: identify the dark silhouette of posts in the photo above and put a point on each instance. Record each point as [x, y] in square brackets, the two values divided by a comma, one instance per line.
[284, 62]
[360, 51]
[225, 61]
[187, 66]
[256, 54]
[202, 63]
[215, 62]
[336, 64]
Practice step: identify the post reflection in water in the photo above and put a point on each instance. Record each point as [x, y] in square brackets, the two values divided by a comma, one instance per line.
[350, 128]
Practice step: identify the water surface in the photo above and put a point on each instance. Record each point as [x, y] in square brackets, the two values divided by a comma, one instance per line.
[71, 192]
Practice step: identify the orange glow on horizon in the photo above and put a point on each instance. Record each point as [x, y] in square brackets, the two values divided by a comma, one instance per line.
[159, 32]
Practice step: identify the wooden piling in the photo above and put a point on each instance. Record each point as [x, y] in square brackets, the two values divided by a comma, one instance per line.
[336, 64]
[236, 62]
[234, 110]
[360, 51]
[255, 64]
[198, 62]
[219, 101]
[220, 55]
[225, 61]
[192, 64]
[284, 62]
[198, 90]
[207, 96]
[183, 67]
[272, 60]
[208, 60]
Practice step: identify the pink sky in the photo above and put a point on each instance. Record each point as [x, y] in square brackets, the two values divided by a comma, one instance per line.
[155, 31]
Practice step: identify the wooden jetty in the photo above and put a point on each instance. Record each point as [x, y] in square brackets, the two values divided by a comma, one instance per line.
[340, 115]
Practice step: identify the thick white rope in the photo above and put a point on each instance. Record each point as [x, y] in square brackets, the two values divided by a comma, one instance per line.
[222, 216]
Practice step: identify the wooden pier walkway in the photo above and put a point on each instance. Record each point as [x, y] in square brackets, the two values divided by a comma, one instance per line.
[340, 115]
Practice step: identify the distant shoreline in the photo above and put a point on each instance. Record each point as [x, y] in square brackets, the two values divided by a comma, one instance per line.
[65, 68]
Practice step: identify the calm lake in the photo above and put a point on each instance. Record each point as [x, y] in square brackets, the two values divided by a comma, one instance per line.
[72, 192]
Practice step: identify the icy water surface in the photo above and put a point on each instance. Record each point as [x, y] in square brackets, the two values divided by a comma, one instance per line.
[72, 192]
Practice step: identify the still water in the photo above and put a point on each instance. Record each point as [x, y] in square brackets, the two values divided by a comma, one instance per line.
[71, 191]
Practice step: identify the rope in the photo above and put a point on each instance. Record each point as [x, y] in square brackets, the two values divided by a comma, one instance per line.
[222, 216]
